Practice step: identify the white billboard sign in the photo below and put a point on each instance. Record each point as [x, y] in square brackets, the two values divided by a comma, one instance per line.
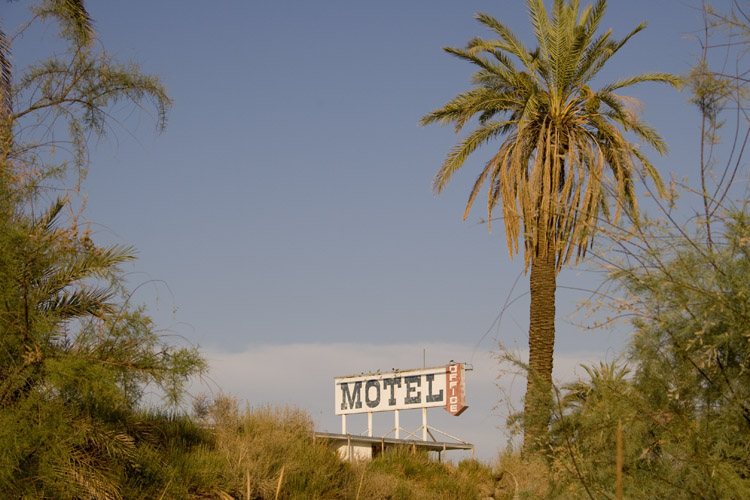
[402, 390]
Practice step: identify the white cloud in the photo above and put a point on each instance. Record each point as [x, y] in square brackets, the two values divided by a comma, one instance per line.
[302, 375]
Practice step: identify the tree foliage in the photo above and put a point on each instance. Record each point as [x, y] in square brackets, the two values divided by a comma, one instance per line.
[681, 392]
[75, 355]
[52, 108]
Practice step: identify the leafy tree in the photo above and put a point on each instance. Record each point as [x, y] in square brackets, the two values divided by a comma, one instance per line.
[682, 280]
[75, 356]
[682, 394]
[558, 138]
[50, 109]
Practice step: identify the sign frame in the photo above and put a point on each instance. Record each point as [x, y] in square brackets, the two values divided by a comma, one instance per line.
[402, 390]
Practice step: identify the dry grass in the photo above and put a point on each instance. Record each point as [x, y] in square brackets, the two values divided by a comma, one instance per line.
[520, 478]
[269, 453]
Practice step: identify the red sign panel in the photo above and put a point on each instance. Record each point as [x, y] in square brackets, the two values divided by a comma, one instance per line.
[455, 385]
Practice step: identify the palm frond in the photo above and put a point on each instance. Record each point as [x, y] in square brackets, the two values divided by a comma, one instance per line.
[630, 35]
[651, 172]
[78, 303]
[48, 219]
[496, 48]
[6, 76]
[73, 17]
[484, 101]
[464, 149]
[673, 80]
[514, 45]
[502, 72]
[541, 24]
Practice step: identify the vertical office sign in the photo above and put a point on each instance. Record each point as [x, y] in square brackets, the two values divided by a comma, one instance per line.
[455, 374]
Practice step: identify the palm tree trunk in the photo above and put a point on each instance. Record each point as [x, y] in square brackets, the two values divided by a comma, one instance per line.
[538, 403]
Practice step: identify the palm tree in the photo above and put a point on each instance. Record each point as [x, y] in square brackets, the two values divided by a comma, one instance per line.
[558, 135]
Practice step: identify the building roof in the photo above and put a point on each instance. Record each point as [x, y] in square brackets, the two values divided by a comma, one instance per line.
[343, 439]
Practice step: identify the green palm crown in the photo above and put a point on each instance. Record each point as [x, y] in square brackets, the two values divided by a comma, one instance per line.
[558, 134]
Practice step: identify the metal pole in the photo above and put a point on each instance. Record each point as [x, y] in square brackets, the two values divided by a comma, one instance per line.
[369, 423]
[424, 424]
[398, 425]
[343, 424]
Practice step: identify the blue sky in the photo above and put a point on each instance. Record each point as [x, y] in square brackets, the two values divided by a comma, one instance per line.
[285, 218]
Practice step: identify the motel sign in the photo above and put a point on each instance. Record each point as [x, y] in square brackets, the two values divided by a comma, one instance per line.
[402, 390]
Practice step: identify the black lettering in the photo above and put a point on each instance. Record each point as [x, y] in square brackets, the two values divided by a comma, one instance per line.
[354, 399]
[372, 403]
[392, 382]
[417, 398]
[431, 398]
